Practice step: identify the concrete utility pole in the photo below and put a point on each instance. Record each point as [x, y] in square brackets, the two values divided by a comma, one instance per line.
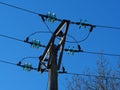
[53, 69]
[50, 54]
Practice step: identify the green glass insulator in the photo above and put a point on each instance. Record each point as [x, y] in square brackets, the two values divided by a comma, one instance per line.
[68, 52]
[51, 17]
[27, 67]
[35, 43]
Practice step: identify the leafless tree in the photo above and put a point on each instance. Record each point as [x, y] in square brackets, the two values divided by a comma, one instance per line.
[103, 78]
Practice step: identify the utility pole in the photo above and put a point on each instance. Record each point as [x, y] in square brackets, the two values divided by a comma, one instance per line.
[50, 55]
[53, 70]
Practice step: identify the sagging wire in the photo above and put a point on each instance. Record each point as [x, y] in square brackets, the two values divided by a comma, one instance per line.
[35, 43]
[69, 50]
[51, 18]
[27, 58]
[27, 66]
[37, 33]
[76, 41]
[85, 38]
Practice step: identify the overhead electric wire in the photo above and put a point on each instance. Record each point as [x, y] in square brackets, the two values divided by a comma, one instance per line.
[6, 62]
[88, 75]
[88, 52]
[76, 41]
[71, 22]
[37, 32]
[107, 27]
[82, 51]
[13, 6]
[13, 38]
[84, 38]
[5, 36]
[10, 63]
[91, 75]
[28, 58]
[107, 54]
[47, 27]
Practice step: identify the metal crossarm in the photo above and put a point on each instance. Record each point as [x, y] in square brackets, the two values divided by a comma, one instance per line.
[57, 33]
[62, 43]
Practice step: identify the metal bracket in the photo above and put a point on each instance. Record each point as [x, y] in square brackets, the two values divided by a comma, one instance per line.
[57, 33]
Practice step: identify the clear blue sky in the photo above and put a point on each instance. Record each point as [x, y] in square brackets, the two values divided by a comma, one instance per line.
[19, 24]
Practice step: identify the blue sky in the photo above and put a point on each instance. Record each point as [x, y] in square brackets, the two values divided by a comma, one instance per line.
[19, 24]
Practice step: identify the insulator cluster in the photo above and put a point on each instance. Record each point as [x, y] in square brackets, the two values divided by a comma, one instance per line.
[51, 17]
[27, 67]
[35, 43]
[81, 23]
[70, 50]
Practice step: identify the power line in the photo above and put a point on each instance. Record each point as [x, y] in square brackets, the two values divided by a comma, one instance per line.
[18, 64]
[46, 16]
[87, 75]
[28, 58]
[48, 27]
[82, 51]
[90, 75]
[107, 54]
[1, 35]
[16, 39]
[107, 27]
[76, 41]
[6, 62]
[37, 33]
[13, 6]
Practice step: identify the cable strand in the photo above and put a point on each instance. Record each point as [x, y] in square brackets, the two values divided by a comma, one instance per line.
[13, 6]
[11, 38]
[71, 22]
[2, 61]
[111, 77]
[107, 54]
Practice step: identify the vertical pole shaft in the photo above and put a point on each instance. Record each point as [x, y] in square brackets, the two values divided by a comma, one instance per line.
[52, 71]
